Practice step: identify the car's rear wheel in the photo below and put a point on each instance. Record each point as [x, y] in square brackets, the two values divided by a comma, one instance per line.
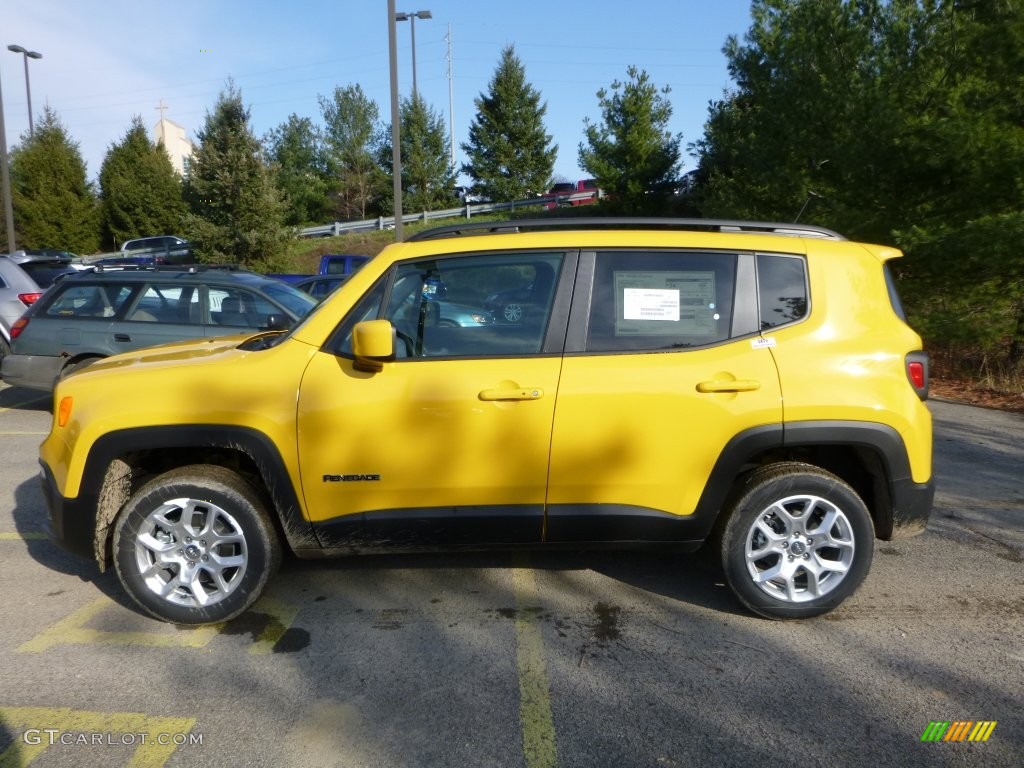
[797, 541]
[5, 348]
[195, 545]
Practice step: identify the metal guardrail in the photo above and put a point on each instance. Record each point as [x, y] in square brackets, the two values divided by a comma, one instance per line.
[469, 210]
[388, 222]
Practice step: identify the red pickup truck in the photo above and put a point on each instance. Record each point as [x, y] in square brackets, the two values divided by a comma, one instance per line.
[583, 192]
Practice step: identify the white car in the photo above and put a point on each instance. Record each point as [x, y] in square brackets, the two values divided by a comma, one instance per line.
[17, 293]
[161, 242]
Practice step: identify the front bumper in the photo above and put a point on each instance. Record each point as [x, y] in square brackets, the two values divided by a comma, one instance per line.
[71, 522]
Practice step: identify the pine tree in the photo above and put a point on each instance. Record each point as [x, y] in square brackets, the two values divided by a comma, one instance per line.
[296, 152]
[353, 137]
[54, 204]
[428, 178]
[236, 212]
[140, 194]
[631, 153]
[510, 155]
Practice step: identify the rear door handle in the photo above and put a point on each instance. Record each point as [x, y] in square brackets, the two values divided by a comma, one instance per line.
[527, 393]
[736, 385]
[122, 337]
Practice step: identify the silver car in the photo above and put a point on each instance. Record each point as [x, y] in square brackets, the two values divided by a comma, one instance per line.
[17, 293]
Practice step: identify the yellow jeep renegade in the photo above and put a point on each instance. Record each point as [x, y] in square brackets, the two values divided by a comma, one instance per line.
[534, 384]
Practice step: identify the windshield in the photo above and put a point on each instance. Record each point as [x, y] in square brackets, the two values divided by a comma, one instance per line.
[297, 302]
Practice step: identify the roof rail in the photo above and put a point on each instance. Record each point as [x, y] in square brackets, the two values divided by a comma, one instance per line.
[623, 222]
[189, 268]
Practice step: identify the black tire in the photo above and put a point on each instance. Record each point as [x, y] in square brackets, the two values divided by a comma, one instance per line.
[5, 348]
[797, 541]
[165, 532]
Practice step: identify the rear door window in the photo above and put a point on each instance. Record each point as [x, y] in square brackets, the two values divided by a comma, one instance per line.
[661, 300]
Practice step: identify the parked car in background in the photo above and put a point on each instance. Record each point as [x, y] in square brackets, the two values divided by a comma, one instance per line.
[148, 251]
[44, 265]
[582, 192]
[92, 315]
[18, 291]
[157, 243]
[586, 192]
[558, 195]
[330, 264]
[318, 286]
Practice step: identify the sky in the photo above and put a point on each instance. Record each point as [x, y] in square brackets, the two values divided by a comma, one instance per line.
[105, 61]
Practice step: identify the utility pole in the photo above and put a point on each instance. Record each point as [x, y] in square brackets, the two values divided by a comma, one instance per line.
[451, 96]
[6, 179]
[396, 144]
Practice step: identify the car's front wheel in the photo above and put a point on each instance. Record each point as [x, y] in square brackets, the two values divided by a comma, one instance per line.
[797, 541]
[195, 545]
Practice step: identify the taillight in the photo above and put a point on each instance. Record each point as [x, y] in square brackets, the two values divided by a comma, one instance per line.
[917, 373]
[28, 299]
[19, 325]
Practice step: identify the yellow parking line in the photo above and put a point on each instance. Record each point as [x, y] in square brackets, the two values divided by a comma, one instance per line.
[26, 536]
[282, 616]
[534, 686]
[72, 630]
[42, 727]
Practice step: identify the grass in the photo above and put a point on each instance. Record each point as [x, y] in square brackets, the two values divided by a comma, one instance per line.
[306, 252]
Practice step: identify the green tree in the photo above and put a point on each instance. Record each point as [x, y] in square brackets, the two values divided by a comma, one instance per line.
[428, 178]
[631, 153]
[296, 153]
[510, 154]
[140, 194]
[353, 136]
[896, 122]
[54, 204]
[237, 215]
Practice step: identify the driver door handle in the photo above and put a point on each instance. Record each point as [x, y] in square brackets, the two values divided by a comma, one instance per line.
[526, 393]
[735, 385]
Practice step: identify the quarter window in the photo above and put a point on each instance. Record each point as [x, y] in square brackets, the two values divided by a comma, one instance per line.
[782, 289]
[83, 300]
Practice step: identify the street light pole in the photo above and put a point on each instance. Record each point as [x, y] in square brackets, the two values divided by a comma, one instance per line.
[27, 54]
[396, 143]
[5, 179]
[411, 18]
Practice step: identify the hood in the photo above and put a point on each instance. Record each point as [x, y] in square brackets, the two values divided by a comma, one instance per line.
[173, 354]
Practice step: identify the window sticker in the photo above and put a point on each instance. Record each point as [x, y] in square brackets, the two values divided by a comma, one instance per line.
[665, 303]
[650, 304]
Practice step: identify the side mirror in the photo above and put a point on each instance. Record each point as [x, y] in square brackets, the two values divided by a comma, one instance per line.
[373, 343]
[276, 322]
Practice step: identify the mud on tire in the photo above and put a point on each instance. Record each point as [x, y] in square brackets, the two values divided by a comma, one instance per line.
[195, 545]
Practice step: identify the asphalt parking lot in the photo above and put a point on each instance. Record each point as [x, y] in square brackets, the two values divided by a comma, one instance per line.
[540, 659]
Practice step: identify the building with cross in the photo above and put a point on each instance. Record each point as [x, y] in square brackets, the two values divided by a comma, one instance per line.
[177, 145]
